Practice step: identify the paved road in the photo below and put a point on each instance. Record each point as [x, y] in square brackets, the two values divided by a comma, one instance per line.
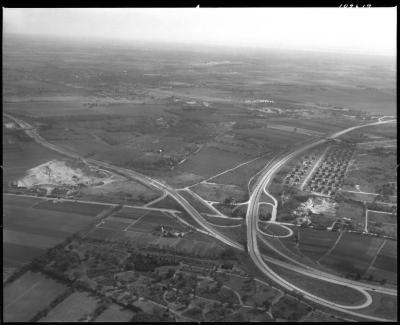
[252, 225]
[30, 131]
[252, 213]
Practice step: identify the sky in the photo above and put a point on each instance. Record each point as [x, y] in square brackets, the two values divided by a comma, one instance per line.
[343, 30]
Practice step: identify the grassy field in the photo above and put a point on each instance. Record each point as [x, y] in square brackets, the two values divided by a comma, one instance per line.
[125, 192]
[72, 309]
[372, 169]
[235, 233]
[353, 254]
[28, 231]
[114, 313]
[384, 306]
[312, 243]
[167, 203]
[382, 222]
[219, 193]
[28, 295]
[272, 229]
[385, 265]
[154, 219]
[326, 290]
[211, 161]
[243, 174]
[130, 213]
[199, 206]
[71, 207]
[352, 211]
[222, 221]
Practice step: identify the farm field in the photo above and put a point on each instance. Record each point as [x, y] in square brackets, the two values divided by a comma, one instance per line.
[219, 193]
[385, 265]
[141, 233]
[125, 192]
[242, 175]
[29, 294]
[114, 313]
[155, 219]
[382, 222]
[326, 290]
[71, 207]
[167, 203]
[76, 307]
[353, 253]
[312, 243]
[211, 161]
[130, 213]
[27, 231]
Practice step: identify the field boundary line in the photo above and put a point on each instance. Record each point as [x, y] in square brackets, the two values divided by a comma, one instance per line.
[137, 220]
[231, 169]
[24, 293]
[156, 200]
[383, 212]
[333, 246]
[375, 257]
[204, 202]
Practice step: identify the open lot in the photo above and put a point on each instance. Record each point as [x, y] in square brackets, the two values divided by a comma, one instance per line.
[28, 295]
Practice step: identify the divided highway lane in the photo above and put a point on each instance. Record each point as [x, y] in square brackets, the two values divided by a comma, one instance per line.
[30, 131]
[252, 222]
[252, 209]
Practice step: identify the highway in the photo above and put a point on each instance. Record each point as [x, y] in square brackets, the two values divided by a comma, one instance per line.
[31, 131]
[252, 225]
[251, 217]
